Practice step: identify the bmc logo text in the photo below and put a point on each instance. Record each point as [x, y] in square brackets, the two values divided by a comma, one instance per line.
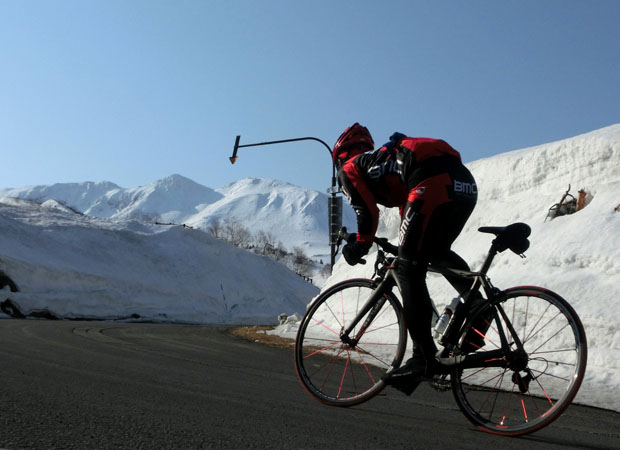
[465, 188]
[385, 168]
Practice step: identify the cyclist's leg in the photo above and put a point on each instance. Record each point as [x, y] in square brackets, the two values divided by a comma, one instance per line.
[456, 216]
[448, 221]
[415, 236]
[417, 306]
[452, 260]
[448, 212]
[432, 219]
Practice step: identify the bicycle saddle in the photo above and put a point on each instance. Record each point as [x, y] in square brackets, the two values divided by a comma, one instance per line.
[513, 236]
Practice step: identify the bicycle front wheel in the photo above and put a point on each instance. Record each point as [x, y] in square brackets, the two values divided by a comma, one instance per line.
[345, 370]
[535, 385]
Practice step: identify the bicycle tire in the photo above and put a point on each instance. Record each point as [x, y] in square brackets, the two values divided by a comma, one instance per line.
[339, 374]
[517, 401]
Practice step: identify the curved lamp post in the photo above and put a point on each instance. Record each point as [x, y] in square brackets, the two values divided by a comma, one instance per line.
[335, 202]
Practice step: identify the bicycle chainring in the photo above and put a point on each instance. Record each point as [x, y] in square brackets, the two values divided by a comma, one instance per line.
[440, 383]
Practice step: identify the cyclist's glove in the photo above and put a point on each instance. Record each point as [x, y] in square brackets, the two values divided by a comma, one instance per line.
[353, 252]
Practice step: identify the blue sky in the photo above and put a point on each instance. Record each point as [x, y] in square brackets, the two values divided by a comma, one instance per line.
[133, 91]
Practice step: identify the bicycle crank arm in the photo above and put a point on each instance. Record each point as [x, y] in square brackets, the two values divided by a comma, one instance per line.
[493, 358]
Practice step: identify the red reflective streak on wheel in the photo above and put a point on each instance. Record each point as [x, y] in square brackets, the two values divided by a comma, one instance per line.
[524, 410]
[344, 372]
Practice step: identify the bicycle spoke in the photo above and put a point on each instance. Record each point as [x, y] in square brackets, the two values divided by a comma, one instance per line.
[373, 356]
[479, 383]
[374, 330]
[523, 406]
[366, 368]
[321, 350]
[540, 317]
[544, 392]
[527, 308]
[331, 365]
[550, 375]
[497, 391]
[559, 350]
[326, 327]
[549, 339]
[344, 373]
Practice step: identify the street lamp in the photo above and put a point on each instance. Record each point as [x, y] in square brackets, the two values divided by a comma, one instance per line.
[334, 202]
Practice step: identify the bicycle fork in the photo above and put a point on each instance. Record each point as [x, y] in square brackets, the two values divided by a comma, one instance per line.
[372, 307]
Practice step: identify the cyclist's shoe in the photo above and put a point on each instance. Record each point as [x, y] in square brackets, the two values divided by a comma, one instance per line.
[408, 376]
[415, 367]
[406, 386]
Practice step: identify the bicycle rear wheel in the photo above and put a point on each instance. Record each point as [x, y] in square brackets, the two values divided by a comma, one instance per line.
[534, 387]
[346, 370]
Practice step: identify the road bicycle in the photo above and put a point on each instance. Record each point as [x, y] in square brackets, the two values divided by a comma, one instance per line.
[516, 357]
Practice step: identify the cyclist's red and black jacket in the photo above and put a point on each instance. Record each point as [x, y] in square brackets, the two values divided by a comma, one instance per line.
[422, 158]
[390, 177]
[368, 180]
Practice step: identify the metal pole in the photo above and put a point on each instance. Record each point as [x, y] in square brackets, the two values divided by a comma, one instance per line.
[332, 191]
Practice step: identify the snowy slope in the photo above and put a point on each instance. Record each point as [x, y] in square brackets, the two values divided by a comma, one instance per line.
[78, 266]
[297, 216]
[577, 255]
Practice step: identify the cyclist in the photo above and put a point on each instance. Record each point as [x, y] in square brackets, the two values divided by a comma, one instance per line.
[436, 194]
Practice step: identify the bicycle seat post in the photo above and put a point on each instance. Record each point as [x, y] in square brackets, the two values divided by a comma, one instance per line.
[489, 259]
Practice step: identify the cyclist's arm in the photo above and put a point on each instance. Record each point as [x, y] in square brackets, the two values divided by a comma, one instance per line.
[362, 201]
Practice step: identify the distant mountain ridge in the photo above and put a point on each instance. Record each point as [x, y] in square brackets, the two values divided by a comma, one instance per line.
[295, 215]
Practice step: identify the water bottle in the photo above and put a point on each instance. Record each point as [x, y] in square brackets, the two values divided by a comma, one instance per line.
[445, 317]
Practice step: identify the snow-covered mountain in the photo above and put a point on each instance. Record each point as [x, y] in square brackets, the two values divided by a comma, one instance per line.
[295, 215]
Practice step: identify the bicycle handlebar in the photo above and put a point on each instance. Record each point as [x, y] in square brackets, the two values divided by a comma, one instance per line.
[383, 243]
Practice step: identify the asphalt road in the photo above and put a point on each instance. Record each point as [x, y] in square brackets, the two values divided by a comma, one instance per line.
[101, 385]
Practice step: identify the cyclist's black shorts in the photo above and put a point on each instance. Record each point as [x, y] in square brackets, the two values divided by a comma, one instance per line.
[438, 206]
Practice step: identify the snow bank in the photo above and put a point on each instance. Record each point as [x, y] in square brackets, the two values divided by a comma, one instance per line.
[78, 266]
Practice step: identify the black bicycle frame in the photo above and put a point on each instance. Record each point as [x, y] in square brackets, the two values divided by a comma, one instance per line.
[492, 358]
